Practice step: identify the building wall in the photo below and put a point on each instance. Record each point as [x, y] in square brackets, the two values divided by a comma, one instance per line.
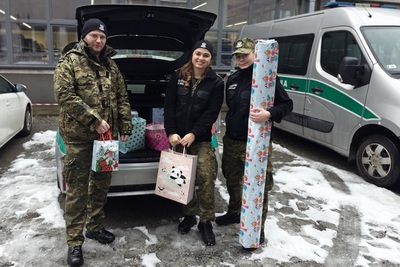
[32, 33]
[39, 83]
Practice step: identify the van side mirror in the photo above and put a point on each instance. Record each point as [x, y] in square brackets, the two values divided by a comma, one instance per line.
[349, 71]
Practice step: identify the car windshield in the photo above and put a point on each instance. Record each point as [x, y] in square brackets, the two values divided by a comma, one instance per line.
[385, 44]
[148, 54]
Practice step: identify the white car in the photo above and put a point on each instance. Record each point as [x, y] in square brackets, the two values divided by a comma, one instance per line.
[15, 110]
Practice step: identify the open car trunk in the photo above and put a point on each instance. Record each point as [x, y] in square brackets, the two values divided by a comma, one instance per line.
[151, 43]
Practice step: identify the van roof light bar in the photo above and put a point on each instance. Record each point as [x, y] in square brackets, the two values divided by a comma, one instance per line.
[346, 4]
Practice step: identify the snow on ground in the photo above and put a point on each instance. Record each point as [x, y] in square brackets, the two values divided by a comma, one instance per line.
[305, 221]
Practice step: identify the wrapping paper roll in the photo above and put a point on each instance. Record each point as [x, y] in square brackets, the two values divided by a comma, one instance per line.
[258, 141]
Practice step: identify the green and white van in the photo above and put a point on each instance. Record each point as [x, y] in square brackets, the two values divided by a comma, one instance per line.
[341, 67]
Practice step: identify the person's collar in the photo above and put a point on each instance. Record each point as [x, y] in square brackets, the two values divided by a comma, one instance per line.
[246, 70]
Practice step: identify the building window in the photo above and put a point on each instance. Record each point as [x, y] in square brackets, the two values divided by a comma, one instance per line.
[41, 29]
[236, 14]
[28, 9]
[2, 11]
[65, 9]
[62, 36]
[223, 57]
[29, 43]
[173, 3]
[3, 44]
[264, 10]
[126, 2]
[206, 5]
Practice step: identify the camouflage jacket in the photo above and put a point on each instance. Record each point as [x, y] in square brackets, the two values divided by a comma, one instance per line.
[89, 90]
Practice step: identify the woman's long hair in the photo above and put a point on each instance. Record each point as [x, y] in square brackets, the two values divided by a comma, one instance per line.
[186, 72]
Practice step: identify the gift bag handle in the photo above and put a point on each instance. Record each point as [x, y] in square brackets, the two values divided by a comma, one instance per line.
[107, 135]
[184, 153]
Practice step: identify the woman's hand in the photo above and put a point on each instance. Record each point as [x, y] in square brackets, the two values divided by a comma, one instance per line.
[188, 139]
[174, 139]
[259, 115]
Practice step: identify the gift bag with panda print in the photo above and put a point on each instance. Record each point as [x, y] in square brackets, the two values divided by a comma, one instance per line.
[176, 176]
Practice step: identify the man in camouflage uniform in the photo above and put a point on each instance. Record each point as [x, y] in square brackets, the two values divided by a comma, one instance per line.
[93, 99]
[238, 91]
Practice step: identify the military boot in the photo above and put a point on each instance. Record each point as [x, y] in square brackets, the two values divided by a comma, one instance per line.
[187, 223]
[75, 256]
[102, 236]
[207, 233]
[227, 219]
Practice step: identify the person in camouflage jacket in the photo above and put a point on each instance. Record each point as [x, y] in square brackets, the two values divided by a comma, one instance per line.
[93, 99]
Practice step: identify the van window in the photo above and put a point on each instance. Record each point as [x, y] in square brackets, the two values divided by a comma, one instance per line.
[385, 44]
[335, 46]
[291, 53]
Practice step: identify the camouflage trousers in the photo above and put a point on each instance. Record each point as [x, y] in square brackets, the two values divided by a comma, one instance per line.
[86, 193]
[206, 173]
[233, 163]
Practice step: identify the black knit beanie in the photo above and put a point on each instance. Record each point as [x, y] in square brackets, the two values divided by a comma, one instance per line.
[93, 24]
[204, 44]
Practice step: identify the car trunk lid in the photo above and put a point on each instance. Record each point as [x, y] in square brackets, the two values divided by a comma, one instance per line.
[151, 41]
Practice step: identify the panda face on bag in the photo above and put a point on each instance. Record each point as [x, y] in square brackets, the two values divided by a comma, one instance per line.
[177, 176]
[175, 173]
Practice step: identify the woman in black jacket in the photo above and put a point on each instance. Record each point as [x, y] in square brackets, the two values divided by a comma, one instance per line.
[193, 101]
[238, 93]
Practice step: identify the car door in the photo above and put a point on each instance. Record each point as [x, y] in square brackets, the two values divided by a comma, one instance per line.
[294, 58]
[8, 123]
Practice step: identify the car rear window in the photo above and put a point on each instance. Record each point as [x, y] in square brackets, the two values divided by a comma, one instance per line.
[147, 47]
[148, 54]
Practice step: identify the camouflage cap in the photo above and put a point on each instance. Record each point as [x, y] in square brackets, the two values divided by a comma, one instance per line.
[243, 46]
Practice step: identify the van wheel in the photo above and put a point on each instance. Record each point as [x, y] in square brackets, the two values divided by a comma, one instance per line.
[377, 161]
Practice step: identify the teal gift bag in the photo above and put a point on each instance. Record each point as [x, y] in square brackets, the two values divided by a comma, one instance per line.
[137, 139]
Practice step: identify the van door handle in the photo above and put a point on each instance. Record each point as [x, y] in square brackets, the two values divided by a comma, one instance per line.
[318, 90]
[294, 86]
